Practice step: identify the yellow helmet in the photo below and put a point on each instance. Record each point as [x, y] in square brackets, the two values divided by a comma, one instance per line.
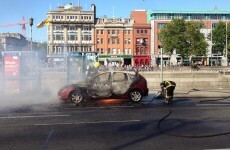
[96, 64]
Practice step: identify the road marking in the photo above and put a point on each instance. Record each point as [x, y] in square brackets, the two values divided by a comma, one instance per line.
[212, 104]
[99, 107]
[34, 116]
[86, 122]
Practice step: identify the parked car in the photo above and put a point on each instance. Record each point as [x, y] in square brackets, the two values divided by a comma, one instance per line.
[110, 84]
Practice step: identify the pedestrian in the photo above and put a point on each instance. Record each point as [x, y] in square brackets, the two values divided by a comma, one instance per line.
[167, 88]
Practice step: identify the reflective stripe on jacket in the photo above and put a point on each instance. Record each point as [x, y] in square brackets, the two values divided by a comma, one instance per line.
[168, 84]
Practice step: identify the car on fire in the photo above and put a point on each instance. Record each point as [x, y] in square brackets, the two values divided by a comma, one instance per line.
[106, 85]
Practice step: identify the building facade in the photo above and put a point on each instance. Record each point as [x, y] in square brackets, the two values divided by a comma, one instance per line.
[71, 29]
[113, 40]
[141, 38]
[209, 18]
[13, 42]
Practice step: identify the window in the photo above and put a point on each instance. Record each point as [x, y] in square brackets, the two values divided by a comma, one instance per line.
[118, 41]
[126, 51]
[72, 37]
[125, 41]
[119, 77]
[114, 51]
[161, 25]
[118, 51]
[130, 51]
[105, 77]
[58, 37]
[129, 41]
[101, 41]
[113, 41]
[98, 41]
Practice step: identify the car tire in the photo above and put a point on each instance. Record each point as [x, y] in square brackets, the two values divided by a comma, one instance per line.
[135, 96]
[76, 97]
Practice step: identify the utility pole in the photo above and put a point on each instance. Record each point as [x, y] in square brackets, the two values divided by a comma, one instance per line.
[161, 50]
[31, 20]
[226, 43]
[211, 43]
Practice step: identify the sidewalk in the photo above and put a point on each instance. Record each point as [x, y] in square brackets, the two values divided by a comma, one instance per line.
[201, 93]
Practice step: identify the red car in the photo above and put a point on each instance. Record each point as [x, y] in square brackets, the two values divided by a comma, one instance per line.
[111, 84]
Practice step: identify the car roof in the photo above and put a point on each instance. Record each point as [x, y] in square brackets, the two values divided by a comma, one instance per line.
[129, 72]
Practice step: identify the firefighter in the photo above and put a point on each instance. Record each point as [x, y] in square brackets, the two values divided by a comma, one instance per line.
[92, 69]
[167, 88]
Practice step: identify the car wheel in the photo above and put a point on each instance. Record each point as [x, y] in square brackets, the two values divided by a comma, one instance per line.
[135, 96]
[76, 97]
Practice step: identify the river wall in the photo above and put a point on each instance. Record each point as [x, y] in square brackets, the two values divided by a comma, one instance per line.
[184, 80]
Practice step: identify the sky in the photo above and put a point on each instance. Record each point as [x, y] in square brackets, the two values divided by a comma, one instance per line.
[13, 11]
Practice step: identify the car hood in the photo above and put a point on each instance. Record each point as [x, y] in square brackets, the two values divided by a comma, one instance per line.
[80, 84]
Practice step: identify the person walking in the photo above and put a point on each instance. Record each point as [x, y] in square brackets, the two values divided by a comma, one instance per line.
[167, 88]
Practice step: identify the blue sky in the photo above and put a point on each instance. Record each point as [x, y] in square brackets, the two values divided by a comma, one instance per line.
[13, 10]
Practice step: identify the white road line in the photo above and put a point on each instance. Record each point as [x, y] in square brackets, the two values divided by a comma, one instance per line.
[34, 116]
[212, 104]
[100, 107]
[89, 122]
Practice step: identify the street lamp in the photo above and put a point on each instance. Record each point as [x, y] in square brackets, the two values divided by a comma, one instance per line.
[226, 43]
[31, 21]
[161, 50]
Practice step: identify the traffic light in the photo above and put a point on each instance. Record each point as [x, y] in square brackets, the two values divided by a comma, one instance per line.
[31, 21]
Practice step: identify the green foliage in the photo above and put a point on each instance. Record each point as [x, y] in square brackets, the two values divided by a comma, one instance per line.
[184, 37]
[218, 36]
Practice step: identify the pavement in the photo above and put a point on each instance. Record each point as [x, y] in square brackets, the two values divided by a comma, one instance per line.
[200, 93]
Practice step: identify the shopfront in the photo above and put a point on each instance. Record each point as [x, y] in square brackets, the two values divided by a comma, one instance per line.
[142, 60]
[115, 59]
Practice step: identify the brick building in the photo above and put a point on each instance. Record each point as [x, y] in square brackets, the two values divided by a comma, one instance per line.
[141, 38]
[113, 40]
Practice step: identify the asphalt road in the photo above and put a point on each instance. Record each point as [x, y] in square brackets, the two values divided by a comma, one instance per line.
[189, 123]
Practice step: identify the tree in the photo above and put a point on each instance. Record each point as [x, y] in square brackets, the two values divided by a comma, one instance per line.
[218, 37]
[185, 37]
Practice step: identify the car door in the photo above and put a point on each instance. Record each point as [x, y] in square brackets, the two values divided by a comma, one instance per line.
[100, 86]
[121, 83]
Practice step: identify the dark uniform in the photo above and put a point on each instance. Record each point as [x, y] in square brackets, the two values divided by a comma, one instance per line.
[168, 88]
[91, 70]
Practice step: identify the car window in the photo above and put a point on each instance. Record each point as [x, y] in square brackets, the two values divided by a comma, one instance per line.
[104, 77]
[119, 77]
[133, 77]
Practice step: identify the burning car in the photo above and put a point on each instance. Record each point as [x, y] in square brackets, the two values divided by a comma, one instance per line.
[110, 84]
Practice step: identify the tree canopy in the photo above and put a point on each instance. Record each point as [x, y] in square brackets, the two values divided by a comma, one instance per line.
[184, 37]
[218, 37]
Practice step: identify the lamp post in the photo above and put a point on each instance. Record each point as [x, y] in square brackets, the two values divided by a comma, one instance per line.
[211, 44]
[161, 64]
[31, 20]
[161, 50]
[226, 43]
